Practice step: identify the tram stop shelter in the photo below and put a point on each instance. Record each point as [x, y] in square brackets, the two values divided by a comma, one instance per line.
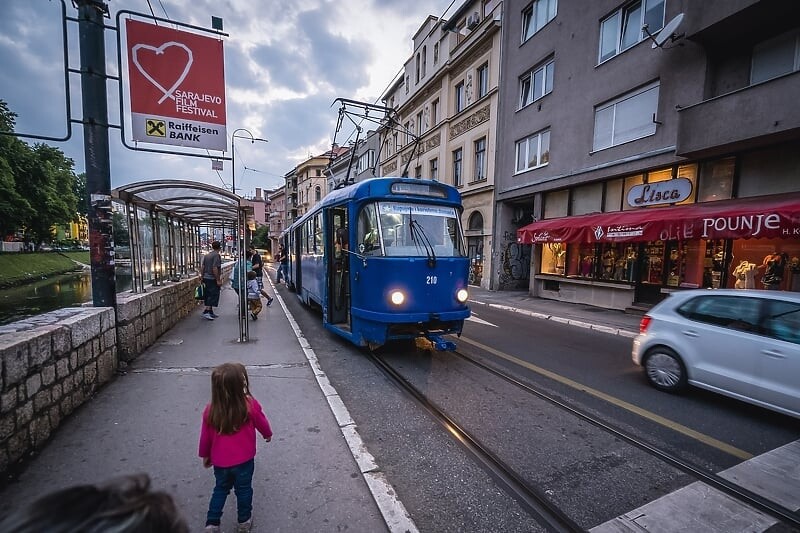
[162, 227]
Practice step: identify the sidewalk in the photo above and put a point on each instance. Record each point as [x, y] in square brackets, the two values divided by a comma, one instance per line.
[315, 475]
[579, 315]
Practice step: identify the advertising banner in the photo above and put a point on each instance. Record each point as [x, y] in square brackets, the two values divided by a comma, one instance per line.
[177, 87]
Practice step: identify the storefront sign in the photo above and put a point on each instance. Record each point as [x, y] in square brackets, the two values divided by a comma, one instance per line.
[177, 87]
[772, 217]
[660, 192]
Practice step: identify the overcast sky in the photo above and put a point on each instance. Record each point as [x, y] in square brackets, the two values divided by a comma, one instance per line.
[285, 63]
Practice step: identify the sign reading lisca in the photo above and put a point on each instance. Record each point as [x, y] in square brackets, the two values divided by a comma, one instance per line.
[660, 192]
[176, 84]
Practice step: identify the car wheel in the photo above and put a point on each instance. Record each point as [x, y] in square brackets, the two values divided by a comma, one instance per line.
[665, 370]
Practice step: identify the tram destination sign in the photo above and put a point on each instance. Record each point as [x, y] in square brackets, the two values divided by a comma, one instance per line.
[176, 82]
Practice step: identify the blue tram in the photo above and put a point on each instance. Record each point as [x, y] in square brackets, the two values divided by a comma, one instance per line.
[384, 259]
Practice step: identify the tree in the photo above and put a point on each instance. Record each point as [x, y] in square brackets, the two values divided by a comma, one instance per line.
[13, 207]
[47, 185]
[261, 237]
[79, 190]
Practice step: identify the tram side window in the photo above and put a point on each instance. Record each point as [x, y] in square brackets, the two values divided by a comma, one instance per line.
[368, 234]
[318, 240]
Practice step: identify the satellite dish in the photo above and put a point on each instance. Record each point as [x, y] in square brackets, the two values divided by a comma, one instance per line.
[667, 32]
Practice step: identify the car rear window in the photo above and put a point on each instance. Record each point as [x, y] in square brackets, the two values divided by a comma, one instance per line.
[734, 312]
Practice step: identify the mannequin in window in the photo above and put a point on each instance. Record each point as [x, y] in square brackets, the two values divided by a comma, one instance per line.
[745, 274]
[794, 268]
[609, 259]
[630, 264]
[774, 264]
[586, 266]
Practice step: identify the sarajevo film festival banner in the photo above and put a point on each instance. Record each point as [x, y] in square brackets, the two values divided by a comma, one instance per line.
[177, 87]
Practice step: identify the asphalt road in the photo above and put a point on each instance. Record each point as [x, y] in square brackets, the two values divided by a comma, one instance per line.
[591, 474]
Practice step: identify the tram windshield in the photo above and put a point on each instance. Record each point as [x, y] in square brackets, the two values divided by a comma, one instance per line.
[410, 230]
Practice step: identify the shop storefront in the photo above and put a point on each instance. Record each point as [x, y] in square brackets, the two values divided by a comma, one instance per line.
[652, 246]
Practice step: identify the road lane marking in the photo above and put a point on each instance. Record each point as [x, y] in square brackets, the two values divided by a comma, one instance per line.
[644, 413]
[473, 318]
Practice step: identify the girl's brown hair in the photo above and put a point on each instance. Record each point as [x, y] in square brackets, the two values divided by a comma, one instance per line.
[230, 389]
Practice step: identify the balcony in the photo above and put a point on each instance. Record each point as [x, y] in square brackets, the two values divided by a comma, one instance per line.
[751, 117]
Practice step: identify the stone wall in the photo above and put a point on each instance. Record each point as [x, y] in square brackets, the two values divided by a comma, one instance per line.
[48, 370]
[144, 317]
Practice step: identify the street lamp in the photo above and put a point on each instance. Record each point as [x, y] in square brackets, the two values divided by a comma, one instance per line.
[233, 152]
[244, 329]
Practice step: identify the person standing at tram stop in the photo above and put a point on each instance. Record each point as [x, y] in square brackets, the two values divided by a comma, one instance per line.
[212, 280]
[257, 265]
[283, 264]
[228, 442]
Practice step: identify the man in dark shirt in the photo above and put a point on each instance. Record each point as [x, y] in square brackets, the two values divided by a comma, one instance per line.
[212, 279]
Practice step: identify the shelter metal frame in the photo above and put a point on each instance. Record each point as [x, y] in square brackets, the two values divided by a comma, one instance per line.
[183, 206]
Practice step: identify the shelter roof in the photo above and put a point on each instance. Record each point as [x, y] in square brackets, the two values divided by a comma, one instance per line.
[196, 203]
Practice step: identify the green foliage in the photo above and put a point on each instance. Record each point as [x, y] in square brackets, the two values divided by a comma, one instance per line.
[79, 190]
[38, 186]
[261, 237]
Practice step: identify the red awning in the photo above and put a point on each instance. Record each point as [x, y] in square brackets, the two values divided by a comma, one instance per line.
[775, 216]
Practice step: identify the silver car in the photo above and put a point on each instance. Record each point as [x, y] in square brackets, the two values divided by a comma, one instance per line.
[741, 343]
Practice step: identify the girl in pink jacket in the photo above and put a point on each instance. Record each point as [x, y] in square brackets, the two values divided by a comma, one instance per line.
[228, 442]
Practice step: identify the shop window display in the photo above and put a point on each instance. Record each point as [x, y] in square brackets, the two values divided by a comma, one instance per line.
[765, 264]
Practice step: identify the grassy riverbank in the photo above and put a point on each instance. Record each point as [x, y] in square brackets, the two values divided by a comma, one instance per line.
[20, 268]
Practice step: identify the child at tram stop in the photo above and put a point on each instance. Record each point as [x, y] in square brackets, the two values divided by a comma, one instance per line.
[228, 442]
[254, 293]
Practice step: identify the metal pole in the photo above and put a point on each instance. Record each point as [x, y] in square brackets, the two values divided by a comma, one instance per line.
[95, 146]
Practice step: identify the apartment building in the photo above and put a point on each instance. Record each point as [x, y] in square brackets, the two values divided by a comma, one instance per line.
[635, 160]
[447, 108]
[277, 219]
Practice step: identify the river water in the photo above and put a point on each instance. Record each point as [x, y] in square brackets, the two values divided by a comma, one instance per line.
[52, 293]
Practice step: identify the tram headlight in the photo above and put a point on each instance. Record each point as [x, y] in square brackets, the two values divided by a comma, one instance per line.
[397, 297]
[462, 295]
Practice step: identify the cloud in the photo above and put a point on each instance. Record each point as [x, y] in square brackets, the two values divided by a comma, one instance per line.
[286, 62]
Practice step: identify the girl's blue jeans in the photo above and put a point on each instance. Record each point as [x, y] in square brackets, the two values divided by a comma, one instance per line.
[240, 479]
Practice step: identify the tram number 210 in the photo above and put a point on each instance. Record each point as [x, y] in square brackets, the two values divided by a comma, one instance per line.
[431, 280]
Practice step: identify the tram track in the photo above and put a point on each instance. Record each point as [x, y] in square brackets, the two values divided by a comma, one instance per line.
[534, 499]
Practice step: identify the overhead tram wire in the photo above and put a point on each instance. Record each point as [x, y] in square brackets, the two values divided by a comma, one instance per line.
[391, 82]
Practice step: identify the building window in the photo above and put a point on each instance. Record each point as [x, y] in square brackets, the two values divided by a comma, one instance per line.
[457, 156]
[434, 168]
[776, 57]
[534, 151]
[417, 67]
[435, 53]
[459, 100]
[536, 15]
[418, 171]
[420, 124]
[319, 172]
[365, 161]
[483, 80]
[627, 118]
[424, 60]
[407, 132]
[480, 159]
[318, 193]
[435, 112]
[623, 28]
[396, 141]
[536, 83]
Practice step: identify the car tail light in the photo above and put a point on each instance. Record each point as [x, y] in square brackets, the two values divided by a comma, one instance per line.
[644, 323]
